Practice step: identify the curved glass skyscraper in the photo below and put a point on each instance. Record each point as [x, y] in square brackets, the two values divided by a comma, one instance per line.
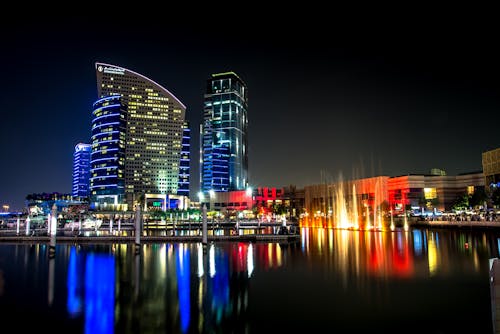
[107, 183]
[154, 120]
[223, 134]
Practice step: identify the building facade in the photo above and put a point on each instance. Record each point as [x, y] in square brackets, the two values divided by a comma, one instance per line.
[81, 170]
[154, 128]
[491, 167]
[107, 181]
[223, 134]
[367, 197]
[185, 162]
[431, 191]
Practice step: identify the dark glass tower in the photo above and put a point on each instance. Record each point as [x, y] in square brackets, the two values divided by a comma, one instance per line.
[223, 134]
[107, 183]
[81, 170]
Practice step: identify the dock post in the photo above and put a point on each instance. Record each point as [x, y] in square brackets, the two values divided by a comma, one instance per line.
[204, 227]
[28, 225]
[53, 231]
[138, 228]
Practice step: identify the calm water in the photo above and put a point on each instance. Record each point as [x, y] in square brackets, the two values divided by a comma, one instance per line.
[335, 281]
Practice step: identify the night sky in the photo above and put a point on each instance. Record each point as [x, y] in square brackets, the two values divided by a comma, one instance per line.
[378, 98]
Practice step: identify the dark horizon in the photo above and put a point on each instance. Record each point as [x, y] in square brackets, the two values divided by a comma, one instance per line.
[361, 102]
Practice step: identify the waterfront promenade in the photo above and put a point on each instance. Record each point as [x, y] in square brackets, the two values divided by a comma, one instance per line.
[77, 239]
[457, 223]
[183, 232]
[264, 232]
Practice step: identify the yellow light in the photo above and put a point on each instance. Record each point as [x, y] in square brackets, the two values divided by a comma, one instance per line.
[430, 193]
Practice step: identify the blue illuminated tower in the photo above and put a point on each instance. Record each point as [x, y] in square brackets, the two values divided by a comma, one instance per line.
[107, 183]
[81, 170]
[223, 134]
[183, 188]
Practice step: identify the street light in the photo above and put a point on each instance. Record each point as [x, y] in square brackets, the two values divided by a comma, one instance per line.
[200, 196]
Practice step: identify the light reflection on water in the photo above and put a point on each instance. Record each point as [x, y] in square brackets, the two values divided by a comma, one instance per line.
[372, 280]
[418, 252]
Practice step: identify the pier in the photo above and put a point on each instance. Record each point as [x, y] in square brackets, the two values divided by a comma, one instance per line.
[456, 223]
[156, 233]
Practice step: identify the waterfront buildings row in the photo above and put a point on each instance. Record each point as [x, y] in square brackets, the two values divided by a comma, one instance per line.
[140, 152]
[399, 194]
[139, 148]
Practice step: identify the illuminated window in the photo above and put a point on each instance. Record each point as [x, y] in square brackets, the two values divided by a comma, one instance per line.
[470, 190]
[430, 193]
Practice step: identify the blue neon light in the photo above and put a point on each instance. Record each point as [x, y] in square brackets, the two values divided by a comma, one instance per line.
[104, 124]
[105, 186]
[107, 98]
[108, 141]
[103, 133]
[108, 106]
[107, 115]
[103, 177]
[107, 159]
[108, 149]
[110, 167]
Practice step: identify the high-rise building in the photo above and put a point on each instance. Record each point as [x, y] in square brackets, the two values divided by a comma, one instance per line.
[154, 127]
[184, 167]
[107, 183]
[223, 134]
[81, 170]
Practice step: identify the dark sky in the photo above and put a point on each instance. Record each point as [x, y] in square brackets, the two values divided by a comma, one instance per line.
[362, 98]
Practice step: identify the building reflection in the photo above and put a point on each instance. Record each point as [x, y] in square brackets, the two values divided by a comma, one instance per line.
[182, 266]
[74, 284]
[393, 254]
[96, 294]
[189, 288]
[99, 293]
[184, 288]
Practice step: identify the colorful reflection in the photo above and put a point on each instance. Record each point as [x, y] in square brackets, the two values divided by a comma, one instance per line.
[183, 279]
[190, 287]
[91, 285]
[398, 253]
[74, 283]
[378, 277]
[211, 279]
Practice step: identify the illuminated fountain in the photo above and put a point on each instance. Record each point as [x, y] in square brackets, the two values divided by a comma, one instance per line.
[406, 227]
[348, 205]
[342, 217]
[392, 222]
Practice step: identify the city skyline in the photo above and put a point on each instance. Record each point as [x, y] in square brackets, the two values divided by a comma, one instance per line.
[360, 103]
